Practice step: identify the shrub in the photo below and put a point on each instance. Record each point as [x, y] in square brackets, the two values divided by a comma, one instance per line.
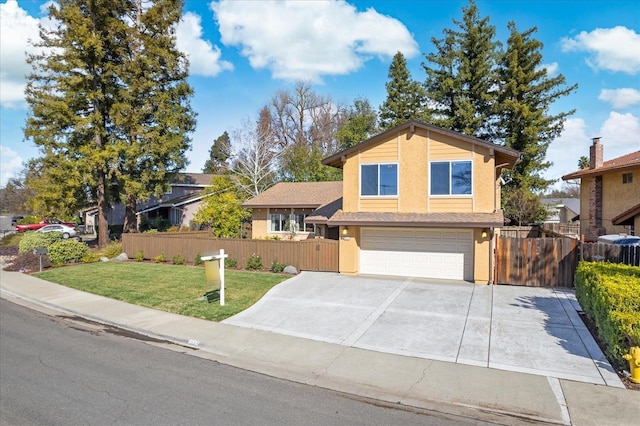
[230, 262]
[32, 240]
[608, 293]
[28, 262]
[277, 267]
[11, 239]
[198, 260]
[161, 258]
[254, 263]
[67, 251]
[178, 260]
[139, 256]
[28, 220]
[90, 257]
[113, 249]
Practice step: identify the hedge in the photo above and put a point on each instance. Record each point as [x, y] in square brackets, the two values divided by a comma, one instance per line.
[609, 293]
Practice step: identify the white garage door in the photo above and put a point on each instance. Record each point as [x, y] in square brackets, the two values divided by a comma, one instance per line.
[416, 252]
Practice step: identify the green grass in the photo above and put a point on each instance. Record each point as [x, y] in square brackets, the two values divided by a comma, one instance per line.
[168, 288]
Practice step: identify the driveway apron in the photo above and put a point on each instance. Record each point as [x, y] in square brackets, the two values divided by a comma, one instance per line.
[525, 329]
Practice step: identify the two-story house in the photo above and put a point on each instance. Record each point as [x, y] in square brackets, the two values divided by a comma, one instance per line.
[419, 201]
[609, 194]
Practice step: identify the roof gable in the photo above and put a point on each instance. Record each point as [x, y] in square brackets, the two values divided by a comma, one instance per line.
[625, 162]
[503, 154]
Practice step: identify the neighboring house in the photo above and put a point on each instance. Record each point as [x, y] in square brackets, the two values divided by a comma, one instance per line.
[281, 211]
[419, 201]
[178, 205]
[609, 194]
[562, 210]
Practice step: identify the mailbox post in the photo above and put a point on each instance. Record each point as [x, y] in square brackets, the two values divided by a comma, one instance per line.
[40, 252]
[214, 271]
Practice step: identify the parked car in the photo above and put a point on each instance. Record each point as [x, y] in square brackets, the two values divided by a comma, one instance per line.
[67, 231]
[627, 241]
[42, 223]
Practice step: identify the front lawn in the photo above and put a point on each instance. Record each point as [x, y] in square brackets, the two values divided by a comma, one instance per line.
[168, 288]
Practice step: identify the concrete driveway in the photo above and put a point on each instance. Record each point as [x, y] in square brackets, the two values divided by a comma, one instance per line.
[524, 329]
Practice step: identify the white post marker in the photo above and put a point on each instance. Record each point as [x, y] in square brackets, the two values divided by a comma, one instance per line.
[214, 271]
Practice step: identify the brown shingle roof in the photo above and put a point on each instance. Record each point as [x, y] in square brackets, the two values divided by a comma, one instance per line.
[297, 194]
[626, 215]
[455, 220]
[626, 162]
[321, 215]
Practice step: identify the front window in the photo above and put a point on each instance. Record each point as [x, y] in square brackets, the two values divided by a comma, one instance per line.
[451, 178]
[379, 180]
[287, 222]
[627, 178]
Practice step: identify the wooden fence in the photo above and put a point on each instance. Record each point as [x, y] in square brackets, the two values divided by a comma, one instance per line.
[552, 262]
[305, 255]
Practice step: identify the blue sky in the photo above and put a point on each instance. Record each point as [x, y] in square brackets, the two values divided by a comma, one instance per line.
[242, 52]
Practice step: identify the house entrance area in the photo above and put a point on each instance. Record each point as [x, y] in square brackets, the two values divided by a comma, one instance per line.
[417, 252]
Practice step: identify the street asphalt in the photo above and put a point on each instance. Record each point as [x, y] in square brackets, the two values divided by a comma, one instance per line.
[371, 337]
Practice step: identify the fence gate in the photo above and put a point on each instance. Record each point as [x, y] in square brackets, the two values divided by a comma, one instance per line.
[536, 262]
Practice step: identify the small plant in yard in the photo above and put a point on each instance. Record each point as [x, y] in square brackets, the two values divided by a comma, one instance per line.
[230, 263]
[90, 257]
[161, 258]
[139, 257]
[31, 240]
[178, 260]
[113, 249]
[198, 260]
[277, 267]
[254, 263]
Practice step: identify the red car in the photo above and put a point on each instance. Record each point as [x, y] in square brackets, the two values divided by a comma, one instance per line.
[45, 222]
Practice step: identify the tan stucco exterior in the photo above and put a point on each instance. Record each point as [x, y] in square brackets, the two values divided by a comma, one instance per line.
[617, 197]
[413, 152]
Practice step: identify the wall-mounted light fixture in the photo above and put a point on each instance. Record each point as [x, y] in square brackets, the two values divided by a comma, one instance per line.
[345, 231]
[485, 233]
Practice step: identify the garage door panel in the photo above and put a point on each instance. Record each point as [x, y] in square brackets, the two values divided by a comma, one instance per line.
[432, 253]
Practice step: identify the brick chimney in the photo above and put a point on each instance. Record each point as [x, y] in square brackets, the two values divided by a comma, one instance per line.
[596, 154]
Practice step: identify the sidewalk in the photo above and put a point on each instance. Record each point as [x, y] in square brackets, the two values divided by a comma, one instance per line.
[505, 397]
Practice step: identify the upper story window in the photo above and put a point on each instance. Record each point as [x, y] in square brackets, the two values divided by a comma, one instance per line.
[451, 178]
[379, 180]
[627, 178]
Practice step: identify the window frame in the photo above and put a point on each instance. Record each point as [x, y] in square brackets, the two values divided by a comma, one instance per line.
[386, 163]
[627, 178]
[450, 162]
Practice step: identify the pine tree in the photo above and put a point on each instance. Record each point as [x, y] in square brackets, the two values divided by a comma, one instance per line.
[359, 124]
[219, 154]
[523, 109]
[108, 99]
[405, 97]
[461, 80]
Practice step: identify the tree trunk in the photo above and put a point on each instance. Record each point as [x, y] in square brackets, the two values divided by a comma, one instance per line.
[103, 224]
[130, 218]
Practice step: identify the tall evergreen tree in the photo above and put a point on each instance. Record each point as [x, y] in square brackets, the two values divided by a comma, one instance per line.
[359, 124]
[219, 155]
[461, 80]
[405, 97]
[108, 98]
[152, 115]
[526, 94]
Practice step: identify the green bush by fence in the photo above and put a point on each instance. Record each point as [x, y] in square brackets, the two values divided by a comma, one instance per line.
[609, 293]
[67, 251]
[32, 240]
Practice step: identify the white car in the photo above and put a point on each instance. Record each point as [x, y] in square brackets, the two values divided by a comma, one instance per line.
[67, 231]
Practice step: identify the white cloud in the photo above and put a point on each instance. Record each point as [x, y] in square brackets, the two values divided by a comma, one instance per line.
[308, 40]
[620, 134]
[10, 164]
[16, 30]
[620, 98]
[204, 58]
[614, 49]
[565, 150]
[552, 69]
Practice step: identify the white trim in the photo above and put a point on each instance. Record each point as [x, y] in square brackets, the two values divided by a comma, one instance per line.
[429, 194]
